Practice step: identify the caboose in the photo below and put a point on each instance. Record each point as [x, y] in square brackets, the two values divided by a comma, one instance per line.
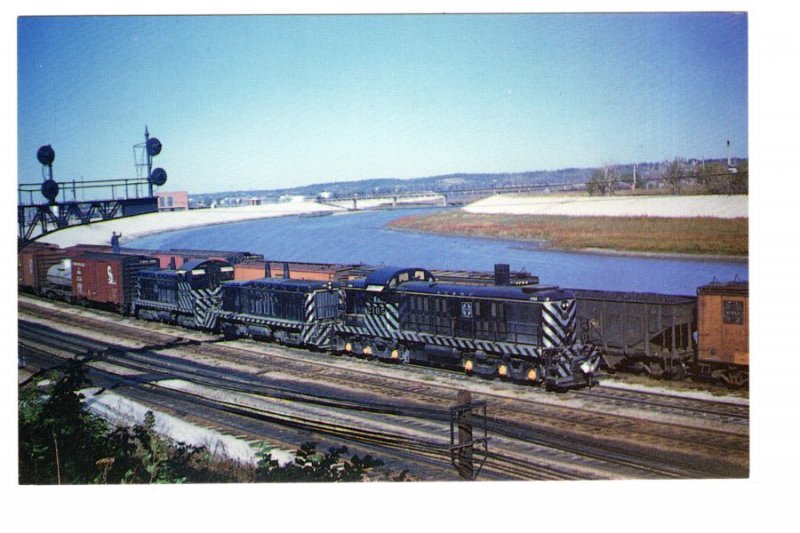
[723, 332]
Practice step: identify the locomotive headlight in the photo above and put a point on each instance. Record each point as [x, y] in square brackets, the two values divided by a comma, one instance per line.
[587, 367]
[395, 354]
[564, 304]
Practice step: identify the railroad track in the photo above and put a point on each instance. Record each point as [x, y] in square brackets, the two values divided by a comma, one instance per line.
[523, 426]
[429, 456]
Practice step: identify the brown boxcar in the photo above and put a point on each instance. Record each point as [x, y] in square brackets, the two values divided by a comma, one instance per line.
[108, 279]
[78, 250]
[297, 270]
[232, 257]
[33, 262]
[176, 258]
[723, 331]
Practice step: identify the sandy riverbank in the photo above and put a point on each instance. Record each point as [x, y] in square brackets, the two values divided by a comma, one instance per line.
[715, 206]
[140, 226]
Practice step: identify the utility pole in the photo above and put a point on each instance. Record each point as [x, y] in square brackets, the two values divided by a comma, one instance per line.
[462, 452]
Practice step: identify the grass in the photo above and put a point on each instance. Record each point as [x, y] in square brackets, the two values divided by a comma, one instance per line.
[696, 236]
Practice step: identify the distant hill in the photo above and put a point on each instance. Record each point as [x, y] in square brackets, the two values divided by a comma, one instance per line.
[441, 183]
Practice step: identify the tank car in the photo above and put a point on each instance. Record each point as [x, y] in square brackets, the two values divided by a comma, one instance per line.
[526, 333]
[59, 281]
[294, 312]
[187, 296]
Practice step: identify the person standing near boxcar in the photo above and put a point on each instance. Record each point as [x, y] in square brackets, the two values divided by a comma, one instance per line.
[115, 242]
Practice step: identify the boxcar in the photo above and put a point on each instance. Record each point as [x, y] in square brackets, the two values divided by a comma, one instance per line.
[296, 270]
[229, 256]
[78, 250]
[643, 331]
[723, 332]
[108, 280]
[33, 262]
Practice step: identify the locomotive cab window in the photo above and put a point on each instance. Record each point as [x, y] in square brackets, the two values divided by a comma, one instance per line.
[732, 312]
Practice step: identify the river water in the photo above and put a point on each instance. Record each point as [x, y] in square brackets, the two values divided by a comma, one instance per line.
[363, 237]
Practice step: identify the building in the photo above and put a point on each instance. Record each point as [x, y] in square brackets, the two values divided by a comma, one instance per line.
[173, 201]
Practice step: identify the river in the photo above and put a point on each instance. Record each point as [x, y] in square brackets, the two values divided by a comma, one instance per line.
[363, 237]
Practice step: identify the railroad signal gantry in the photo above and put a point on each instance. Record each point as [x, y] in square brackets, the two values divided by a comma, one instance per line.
[38, 206]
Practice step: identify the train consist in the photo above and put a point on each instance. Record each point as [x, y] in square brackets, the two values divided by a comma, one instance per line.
[522, 332]
[671, 336]
[505, 325]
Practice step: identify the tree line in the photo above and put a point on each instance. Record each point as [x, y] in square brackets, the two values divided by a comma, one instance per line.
[678, 175]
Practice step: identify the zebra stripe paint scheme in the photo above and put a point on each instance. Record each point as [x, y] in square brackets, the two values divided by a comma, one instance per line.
[558, 319]
[198, 303]
[312, 331]
[558, 323]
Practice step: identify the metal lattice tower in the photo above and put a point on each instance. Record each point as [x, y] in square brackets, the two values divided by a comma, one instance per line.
[40, 211]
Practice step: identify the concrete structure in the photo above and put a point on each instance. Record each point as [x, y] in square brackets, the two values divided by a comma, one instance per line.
[173, 201]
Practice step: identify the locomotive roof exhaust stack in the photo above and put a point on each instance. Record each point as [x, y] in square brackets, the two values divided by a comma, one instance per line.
[502, 274]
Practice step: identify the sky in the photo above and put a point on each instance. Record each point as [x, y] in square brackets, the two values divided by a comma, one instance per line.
[262, 102]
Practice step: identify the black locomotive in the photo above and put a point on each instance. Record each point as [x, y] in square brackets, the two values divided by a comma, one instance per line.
[525, 333]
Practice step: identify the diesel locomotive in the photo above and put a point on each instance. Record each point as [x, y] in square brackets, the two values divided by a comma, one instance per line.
[508, 325]
[522, 333]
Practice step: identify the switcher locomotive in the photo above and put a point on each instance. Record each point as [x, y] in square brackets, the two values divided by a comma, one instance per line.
[525, 333]
[522, 333]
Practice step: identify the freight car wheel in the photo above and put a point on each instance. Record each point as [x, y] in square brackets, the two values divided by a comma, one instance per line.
[678, 372]
[736, 379]
[229, 332]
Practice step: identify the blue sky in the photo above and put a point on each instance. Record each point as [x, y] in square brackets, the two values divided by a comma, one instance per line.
[260, 102]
